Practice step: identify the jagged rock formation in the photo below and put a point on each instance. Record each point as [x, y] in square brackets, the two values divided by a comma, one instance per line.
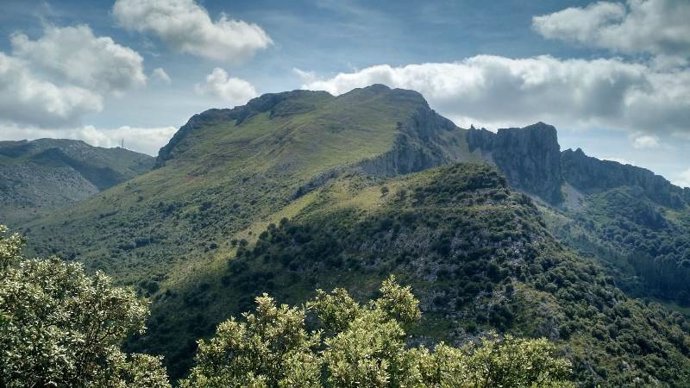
[529, 157]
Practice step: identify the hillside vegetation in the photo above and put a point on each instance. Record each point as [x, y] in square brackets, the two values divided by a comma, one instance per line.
[301, 190]
[636, 223]
[478, 256]
[45, 174]
[61, 327]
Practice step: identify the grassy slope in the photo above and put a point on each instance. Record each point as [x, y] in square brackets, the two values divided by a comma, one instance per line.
[169, 229]
[478, 256]
[229, 177]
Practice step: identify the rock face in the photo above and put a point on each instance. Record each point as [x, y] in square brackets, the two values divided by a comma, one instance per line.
[591, 175]
[425, 141]
[529, 157]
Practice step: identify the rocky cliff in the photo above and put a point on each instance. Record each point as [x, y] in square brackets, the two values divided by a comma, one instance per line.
[591, 175]
[529, 157]
[424, 141]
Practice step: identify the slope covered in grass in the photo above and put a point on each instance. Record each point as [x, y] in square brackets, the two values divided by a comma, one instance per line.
[227, 169]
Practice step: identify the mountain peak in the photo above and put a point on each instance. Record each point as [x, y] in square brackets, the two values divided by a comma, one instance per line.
[377, 87]
[303, 124]
[383, 91]
[540, 131]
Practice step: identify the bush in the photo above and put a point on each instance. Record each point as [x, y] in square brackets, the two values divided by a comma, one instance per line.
[361, 345]
[61, 327]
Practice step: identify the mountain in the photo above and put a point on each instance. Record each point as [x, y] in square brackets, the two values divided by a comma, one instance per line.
[634, 222]
[45, 174]
[300, 190]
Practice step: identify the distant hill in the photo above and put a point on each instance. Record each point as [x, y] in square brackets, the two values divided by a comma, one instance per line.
[45, 174]
[300, 190]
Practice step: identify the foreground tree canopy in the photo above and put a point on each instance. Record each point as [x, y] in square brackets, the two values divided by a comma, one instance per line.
[62, 327]
[356, 345]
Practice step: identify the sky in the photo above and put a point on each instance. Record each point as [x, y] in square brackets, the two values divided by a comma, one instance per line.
[612, 76]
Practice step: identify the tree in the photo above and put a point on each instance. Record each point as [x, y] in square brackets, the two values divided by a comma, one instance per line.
[355, 345]
[62, 327]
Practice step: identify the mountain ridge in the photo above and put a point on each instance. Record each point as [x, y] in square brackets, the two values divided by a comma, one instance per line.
[309, 190]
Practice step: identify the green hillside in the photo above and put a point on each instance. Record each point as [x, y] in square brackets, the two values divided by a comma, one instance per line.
[228, 169]
[476, 254]
[41, 175]
[302, 190]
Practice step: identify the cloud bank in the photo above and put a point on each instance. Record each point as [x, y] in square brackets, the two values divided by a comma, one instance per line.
[187, 27]
[161, 75]
[683, 179]
[495, 91]
[74, 55]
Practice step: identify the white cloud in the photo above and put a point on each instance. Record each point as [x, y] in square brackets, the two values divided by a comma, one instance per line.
[187, 27]
[145, 140]
[26, 99]
[66, 73]
[74, 55]
[573, 93]
[218, 84]
[682, 179]
[645, 142]
[160, 75]
[639, 26]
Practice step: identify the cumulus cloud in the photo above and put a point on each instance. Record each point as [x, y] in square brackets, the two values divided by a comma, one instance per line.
[160, 75]
[493, 90]
[76, 56]
[187, 27]
[66, 73]
[645, 142]
[145, 140]
[658, 27]
[26, 99]
[235, 91]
